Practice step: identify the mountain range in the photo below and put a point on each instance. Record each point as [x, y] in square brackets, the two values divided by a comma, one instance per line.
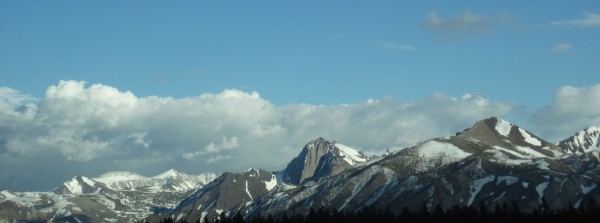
[491, 163]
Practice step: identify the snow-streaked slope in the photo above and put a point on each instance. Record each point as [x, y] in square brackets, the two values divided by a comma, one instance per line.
[351, 155]
[80, 185]
[529, 139]
[583, 141]
[170, 180]
[448, 151]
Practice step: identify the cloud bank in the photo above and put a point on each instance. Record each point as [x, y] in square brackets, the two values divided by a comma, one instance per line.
[572, 109]
[78, 128]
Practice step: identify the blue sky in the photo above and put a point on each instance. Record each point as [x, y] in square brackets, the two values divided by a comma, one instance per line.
[287, 49]
[200, 86]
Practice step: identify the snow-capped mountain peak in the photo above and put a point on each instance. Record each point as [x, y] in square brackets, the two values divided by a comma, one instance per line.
[320, 158]
[80, 185]
[169, 173]
[350, 155]
[506, 135]
[583, 141]
[502, 126]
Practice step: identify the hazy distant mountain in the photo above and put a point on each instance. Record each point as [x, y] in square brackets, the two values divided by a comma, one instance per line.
[114, 196]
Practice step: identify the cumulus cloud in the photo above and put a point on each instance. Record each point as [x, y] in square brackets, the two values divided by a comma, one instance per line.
[394, 46]
[561, 47]
[466, 22]
[589, 19]
[211, 148]
[12, 100]
[11, 96]
[78, 128]
[572, 110]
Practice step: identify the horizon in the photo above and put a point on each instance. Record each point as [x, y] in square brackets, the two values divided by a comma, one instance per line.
[147, 86]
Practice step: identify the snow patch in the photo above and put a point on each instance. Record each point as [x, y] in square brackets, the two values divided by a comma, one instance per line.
[510, 152]
[476, 186]
[248, 192]
[271, 183]
[112, 220]
[88, 181]
[202, 215]
[73, 186]
[503, 127]
[529, 139]
[351, 156]
[499, 156]
[578, 203]
[448, 151]
[22, 198]
[530, 151]
[585, 190]
[168, 173]
[540, 190]
[510, 180]
[543, 164]
[499, 197]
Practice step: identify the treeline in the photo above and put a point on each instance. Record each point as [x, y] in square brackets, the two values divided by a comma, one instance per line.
[457, 214]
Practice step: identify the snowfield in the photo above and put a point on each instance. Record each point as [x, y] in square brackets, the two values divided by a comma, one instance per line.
[351, 156]
[503, 127]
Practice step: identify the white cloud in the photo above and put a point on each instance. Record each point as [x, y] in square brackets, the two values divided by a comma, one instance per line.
[466, 22]
[12, 101]
[589, 20]
[572, 110]
[11, 96]
[394, 46]
[81, 129]
[561, 47]
[226, 144]
[98, 128]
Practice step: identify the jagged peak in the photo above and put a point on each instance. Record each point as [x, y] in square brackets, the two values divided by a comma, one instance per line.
[583, 141]
[251, 171]
[589, 130]
[333, 146]
[350, 155]
[498, 126]
[314, 143]
[492, 125]
[169, 173]
[499, 132]
[79, 184]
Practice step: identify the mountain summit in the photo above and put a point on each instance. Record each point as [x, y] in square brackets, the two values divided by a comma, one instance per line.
[503, 134]
[583, 141]
[321, 158]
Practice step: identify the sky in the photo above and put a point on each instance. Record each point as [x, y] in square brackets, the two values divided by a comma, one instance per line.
[214, 86]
